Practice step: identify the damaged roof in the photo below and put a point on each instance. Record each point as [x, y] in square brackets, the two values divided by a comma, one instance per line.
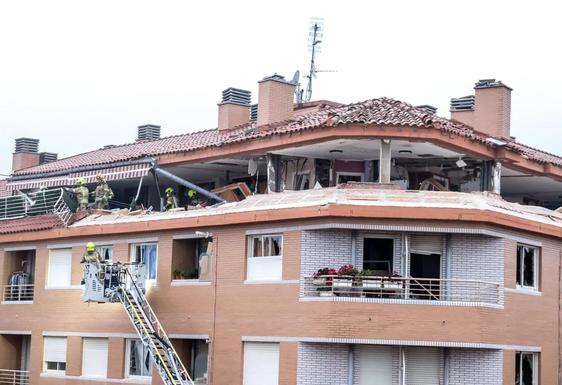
[32, 223]
[358, 194]
[378, 112]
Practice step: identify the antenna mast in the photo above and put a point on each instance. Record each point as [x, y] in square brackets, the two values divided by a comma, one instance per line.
[315, 34]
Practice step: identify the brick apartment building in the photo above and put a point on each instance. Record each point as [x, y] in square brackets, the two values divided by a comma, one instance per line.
[451, 223]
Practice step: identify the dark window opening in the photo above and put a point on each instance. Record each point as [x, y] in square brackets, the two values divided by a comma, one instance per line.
[378, 255]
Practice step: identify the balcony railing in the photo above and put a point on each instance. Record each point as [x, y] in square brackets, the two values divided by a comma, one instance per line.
[18, 293]
[457, 290]
[14, 377]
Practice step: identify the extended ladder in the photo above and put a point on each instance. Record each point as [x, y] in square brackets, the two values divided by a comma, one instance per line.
[119, 284]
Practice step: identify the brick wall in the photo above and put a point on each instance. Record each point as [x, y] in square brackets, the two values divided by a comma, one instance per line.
[322, 364]
[475, 366]
[477, 257]
[324, 248]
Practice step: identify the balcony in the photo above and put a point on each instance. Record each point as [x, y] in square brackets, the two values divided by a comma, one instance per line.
[14, 377]
[18, 293]
[387, 289]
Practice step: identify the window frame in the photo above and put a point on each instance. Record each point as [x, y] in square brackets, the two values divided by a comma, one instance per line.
[519, 357]
[346, 173]
[520, 261]
[128, 343]
[132, 258]
[48, 283]
[251, 257]
[58, 363]
[84, 362]
[102, 248]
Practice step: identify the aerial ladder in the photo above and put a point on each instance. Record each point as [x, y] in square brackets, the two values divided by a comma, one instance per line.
[126, 283]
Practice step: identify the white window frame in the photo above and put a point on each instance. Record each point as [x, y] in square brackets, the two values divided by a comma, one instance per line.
[128, 342]
[345, 173]
[132, 257]
[53, 371]
[306, 177]
[251, 260]
[48, 283]
[521, 259]
[101, 251]
[535, 365]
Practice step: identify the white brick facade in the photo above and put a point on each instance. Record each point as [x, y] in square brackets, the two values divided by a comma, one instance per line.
[475, 366]
[324, 248]
[322, 364]
[477, 257]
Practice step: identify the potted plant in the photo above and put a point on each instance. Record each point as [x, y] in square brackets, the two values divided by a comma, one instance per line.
[369, 279]
[176, 274]
[323, 277]
[346, 274]
[393, 282]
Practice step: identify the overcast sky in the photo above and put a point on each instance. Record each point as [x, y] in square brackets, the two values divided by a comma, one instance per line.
[79, 75]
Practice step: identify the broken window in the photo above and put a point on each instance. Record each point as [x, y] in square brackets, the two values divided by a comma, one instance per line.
[105, 252]
[344, 177]
[147, 254]
[139, 363]
[191, 258]
[527, 267]
[265, 257]
[526, 365]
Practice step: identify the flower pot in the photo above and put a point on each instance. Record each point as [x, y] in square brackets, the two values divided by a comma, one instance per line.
[372, 284]
[342, 282]
[392, 285]
[326, 294]
[319, 281]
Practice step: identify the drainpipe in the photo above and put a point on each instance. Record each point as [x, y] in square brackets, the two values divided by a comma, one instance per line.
[354, 247]
[350, 366]
[446, 367]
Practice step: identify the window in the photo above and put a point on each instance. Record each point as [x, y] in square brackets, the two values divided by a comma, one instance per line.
[378, 255]
[265, 257]
[139, 363]
[344, 177]
[105, 252]
[527, 267]
[54, 355]
[191, 258]
[59, 267]
[147, 254]
[374, 364]
[526, 368]
[94, 357]
[261, 363]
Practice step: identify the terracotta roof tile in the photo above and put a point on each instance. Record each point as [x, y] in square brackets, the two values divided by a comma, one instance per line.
[34, 223]
[382, 111]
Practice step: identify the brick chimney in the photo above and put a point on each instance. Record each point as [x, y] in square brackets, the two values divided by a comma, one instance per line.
[234, 109]
[275, 100]
[488, 111]
[148, 132]
[26, 154]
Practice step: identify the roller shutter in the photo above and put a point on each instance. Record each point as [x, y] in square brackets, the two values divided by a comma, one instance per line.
[426, 244]
[59, 267]
[261, 363]
[374, 365]
[423, 366]
[55, 349]
[94, 357]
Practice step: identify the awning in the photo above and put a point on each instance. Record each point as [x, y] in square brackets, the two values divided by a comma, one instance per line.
[112, 173]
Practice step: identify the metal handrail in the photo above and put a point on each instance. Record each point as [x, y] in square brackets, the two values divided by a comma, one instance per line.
[425, 289]
[14, 377]
[18, 292]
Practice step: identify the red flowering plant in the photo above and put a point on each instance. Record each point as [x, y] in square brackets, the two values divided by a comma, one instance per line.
[324, 271]
[348, 270]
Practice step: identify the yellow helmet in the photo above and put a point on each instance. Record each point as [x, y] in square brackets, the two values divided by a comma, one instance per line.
[80, 181]
[90, 246]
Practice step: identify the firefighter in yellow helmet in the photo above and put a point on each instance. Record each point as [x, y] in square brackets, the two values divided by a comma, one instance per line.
[82, 193]
[92, 256]
[103, 193]
[171, 202]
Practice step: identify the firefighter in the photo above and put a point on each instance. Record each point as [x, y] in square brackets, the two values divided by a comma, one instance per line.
[170, 199]
[103, 193]
[92, 256]
[192, 199]
[82, 194]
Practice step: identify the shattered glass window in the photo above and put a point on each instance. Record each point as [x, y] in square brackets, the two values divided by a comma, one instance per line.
[525, 368]
[527, 266]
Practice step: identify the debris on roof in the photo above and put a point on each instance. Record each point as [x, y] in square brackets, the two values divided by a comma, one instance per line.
[27, 224]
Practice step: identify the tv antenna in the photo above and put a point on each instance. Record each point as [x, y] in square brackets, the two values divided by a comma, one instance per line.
[315, 33]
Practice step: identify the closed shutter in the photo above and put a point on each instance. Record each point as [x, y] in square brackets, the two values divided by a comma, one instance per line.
[265, 268]
[94, 357]
[55, 349]
[426, 244]
[423, 366]
[261, 363]
[59, 267]
[374, 365]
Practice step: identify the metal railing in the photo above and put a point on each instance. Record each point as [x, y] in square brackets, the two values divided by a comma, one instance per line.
[14, 377]
[36, 203]
[457, 290]
[18, 293]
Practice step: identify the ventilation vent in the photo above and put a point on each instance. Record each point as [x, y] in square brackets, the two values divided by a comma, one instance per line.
[253, 113]
[27, 145]
[47, 157]
[236, 96]
[427, 108]
[149, 132]
[466, 103]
